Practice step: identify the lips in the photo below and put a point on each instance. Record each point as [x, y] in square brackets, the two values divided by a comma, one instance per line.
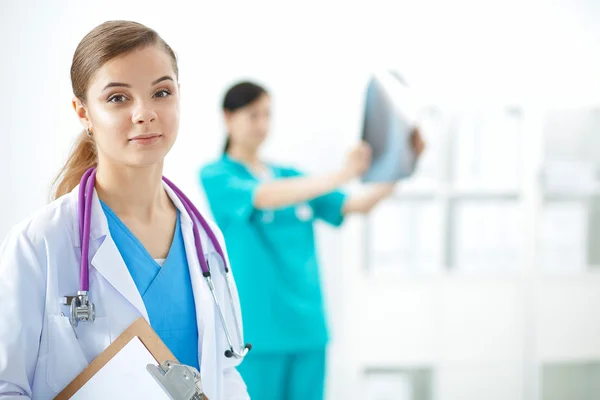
[145, 136]
[145, 139]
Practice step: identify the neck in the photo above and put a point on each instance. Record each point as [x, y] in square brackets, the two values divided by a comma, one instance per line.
[244, 155]
[132, 191]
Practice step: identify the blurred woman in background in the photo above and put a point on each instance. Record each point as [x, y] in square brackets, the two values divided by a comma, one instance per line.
[267, 214]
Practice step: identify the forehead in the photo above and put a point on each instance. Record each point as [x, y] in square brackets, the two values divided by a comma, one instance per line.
[138, 68]
[263, 101]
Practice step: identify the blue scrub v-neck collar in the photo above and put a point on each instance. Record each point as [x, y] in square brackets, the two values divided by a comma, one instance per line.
[111, 214]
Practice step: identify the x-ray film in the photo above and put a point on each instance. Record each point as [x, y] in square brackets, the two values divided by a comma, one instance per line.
[389, 119]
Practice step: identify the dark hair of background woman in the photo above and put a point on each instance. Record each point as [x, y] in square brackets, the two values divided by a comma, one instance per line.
[239, 96]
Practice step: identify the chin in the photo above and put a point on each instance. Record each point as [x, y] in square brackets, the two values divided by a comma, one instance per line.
[148, 159]
[258, 142]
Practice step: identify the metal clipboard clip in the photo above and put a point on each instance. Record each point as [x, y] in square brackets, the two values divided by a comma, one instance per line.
[180, 382]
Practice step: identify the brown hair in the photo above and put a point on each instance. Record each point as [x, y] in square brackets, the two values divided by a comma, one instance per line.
[104, 43]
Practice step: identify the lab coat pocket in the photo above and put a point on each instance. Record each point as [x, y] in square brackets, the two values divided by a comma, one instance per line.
[65, 356]
[94, 337]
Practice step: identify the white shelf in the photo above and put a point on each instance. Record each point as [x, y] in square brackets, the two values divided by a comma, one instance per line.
[457, 194]
[565, 196]
[527, 293]
[589, 274]
[396, 277]
[484, 194]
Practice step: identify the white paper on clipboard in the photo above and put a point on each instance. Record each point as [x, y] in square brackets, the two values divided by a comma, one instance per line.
[124, 376]
[389, 118]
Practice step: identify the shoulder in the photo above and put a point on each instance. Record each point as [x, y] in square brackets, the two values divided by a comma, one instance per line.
[217, 168]
[284, 170]
[51, 222]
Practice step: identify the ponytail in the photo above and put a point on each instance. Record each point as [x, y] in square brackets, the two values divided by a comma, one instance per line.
[83, 156]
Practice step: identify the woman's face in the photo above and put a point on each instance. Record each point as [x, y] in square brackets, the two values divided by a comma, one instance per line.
[248, 126]
[132, 108]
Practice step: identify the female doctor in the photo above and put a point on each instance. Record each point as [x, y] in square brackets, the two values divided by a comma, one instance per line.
[142, 249]
[267, 213]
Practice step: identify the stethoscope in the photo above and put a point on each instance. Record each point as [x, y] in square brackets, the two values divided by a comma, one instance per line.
[82, 309]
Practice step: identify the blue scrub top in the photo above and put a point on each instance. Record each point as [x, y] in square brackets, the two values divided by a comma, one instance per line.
[273, 256]
[166, 290]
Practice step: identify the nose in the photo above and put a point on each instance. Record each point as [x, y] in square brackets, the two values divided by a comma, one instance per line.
[143, 114]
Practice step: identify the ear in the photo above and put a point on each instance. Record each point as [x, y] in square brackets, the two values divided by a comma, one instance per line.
[82, 113]
[228, 117]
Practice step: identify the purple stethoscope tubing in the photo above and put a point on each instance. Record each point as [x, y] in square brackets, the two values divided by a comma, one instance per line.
[82, 307]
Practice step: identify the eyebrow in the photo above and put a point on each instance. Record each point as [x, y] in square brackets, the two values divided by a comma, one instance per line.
[116, 84]
[120, 84]
[164, 78]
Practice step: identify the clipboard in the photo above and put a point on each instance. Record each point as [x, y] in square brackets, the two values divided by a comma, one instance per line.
[177, 381]
[389, 120]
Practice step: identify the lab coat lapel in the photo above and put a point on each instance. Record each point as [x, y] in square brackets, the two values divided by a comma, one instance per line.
[108, 261]
[202, 296]
[205, 314]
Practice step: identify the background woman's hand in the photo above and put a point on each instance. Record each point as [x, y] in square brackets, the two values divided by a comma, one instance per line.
[417, 142]
[358, 161]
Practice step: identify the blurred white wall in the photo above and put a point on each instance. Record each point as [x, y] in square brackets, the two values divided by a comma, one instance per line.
[314, 56]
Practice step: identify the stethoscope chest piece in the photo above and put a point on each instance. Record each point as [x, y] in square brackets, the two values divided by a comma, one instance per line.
[304, 212]
[82, 309]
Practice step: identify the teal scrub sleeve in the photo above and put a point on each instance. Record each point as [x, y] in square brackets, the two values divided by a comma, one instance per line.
[328, 207]
[229, 196]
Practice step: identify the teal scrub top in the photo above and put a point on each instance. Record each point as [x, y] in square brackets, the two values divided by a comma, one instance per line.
[273, 256]
[166, 290]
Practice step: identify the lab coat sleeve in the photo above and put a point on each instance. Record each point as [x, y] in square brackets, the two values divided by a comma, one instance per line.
[234, 387]
[229, 196]
[22, 293]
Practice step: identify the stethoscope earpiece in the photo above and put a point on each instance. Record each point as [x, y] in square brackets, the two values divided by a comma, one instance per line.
[229, 353]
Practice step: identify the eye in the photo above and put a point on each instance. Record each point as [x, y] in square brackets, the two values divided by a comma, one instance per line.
[162, 93]
[117, 98]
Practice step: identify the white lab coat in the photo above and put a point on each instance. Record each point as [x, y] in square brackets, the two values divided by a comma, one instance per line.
[39, 263]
